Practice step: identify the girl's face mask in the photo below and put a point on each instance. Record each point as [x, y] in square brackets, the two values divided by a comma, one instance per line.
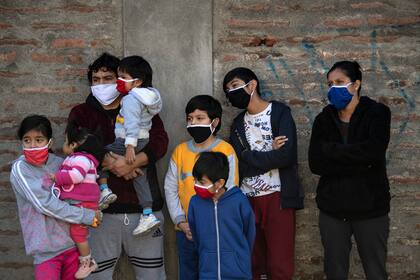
[36, 156]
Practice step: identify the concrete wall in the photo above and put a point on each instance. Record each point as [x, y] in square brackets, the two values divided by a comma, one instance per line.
[45, 47]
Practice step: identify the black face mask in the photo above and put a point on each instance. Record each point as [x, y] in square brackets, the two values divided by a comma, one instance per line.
[238, 97]
[200, 132]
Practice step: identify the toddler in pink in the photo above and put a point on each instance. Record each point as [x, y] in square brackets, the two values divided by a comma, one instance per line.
[75, 183]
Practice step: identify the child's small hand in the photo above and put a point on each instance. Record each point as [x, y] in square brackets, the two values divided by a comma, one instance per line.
[51, 176]
[279, 142]
[130, 154]
[185, 227]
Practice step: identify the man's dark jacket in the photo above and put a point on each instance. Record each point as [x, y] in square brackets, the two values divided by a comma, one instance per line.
[353, 182]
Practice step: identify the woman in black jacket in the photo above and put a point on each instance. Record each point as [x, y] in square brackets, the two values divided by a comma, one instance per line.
[347, 149]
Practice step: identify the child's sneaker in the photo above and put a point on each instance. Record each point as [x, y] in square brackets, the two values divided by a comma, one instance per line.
[147, 223]
[107, 197]
[86, 266]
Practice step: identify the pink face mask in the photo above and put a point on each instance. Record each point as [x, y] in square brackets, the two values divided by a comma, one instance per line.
[203, 191]
[36, 156]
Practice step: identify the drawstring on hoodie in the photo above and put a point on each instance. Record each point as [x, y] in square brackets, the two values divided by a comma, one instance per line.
[126, 220]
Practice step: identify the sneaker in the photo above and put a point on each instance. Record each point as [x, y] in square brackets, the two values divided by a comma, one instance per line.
[87, 265]
[107, 197]
[147, 224]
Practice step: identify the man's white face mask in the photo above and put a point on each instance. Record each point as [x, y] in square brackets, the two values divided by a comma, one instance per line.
[105, 93]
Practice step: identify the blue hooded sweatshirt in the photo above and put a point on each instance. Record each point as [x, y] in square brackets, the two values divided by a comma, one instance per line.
[224, 233]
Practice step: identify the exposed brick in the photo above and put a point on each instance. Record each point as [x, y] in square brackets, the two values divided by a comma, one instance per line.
[47, 58]
[10, 74]
[256, 24]
[257, 7]
[392, 101]
[64, 73]
[75, 59]
[367, 5]
[80, 8]
[410, 117]
[58, 120]
[62, 105]
[100, 43]
[344, 22]
[409, 242]
[15, 265]
[397, 179]
[23, 10]
[381, 20]
[252, 41]
[57, 26]
[69, 43]
[12, 152]
[8, 56]
[5, 249]
[345, 54]
[4, 25]
[309, 39]
[6, 232]
[45, 89]
[16, 41]
[230, 57]
[310, 259]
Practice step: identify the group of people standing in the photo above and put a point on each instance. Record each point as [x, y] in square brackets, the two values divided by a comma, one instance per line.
[232, 202]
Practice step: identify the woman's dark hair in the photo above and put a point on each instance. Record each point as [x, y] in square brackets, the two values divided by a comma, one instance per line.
[35, 122]
[214, 165]
[86, 142]
[243, 74]
[208, 104]
[351, 69]
[105, 61]
[137, 67]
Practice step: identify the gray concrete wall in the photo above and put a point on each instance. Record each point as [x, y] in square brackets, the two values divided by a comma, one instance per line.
[175, 36]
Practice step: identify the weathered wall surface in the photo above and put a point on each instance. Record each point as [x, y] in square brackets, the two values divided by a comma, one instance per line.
[45, 47]
[291, 45]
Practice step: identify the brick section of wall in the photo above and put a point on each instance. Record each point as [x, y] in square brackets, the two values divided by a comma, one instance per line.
[45, 48]
[291, 45]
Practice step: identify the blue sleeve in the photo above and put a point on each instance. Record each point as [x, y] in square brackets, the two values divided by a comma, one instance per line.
[191, 220]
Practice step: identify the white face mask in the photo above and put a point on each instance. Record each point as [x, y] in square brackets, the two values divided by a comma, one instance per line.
[105, 93]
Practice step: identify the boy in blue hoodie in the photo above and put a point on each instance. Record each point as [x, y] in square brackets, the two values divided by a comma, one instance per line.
[221, 221]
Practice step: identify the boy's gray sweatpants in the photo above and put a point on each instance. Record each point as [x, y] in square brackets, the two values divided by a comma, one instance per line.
[140, 183]
[115, 233]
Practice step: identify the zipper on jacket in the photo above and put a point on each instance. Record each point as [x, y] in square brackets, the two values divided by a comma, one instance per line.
[218, 241]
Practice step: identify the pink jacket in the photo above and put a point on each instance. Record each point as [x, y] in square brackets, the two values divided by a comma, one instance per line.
[76, 178]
